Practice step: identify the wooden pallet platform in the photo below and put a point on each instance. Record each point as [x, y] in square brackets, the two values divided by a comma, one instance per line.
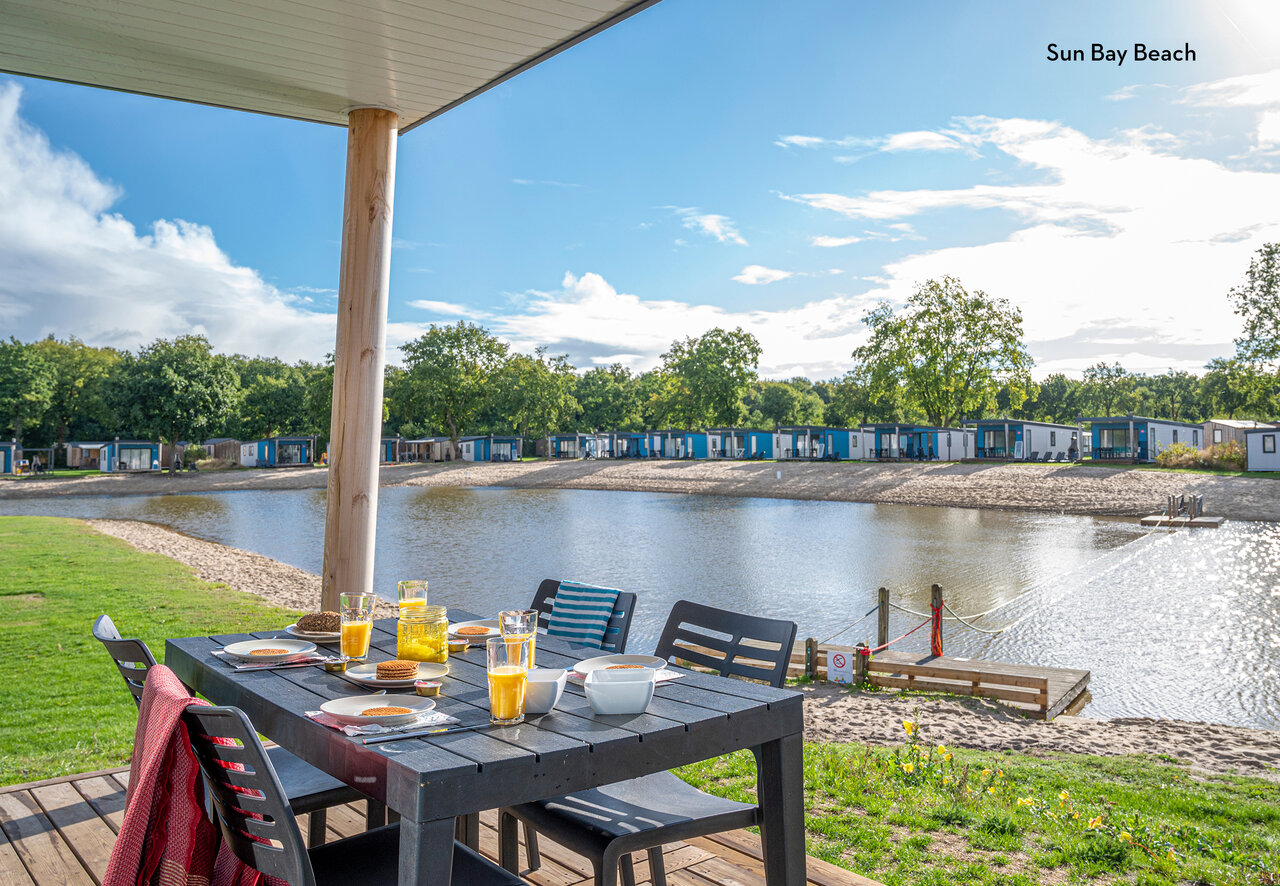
[1043, 693]
[60, 833]
[1167, 522]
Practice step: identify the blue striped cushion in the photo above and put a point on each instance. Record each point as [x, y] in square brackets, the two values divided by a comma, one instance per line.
[580, 613]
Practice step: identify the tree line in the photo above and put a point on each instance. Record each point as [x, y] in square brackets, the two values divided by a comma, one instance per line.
[946, 356]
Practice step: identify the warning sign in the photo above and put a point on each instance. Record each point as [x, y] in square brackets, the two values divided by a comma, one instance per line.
[840, 667]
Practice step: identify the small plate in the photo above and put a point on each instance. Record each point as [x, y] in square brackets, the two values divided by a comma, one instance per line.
[349, 709]
[489, 623]
[368, 673]
[609, 661]
[315, 636]
[292, 649]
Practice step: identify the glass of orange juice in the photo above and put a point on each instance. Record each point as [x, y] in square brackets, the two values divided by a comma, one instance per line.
[412, 594]
[356, 613]
[521, 624]
[508, 670]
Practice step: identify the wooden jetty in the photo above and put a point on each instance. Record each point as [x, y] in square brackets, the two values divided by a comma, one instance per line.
[1043, 693]
[1167, 522]
[60, 833]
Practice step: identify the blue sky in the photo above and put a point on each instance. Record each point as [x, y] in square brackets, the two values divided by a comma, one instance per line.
[780, 166]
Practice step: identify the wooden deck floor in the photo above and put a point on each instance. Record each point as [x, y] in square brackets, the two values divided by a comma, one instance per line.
[60, 833]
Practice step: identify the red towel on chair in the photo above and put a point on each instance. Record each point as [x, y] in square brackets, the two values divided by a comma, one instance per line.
[166, 838]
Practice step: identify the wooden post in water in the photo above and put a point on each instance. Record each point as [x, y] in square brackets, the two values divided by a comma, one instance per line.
[936, 602]
[882, 627]
[351, 508]
[811, 658]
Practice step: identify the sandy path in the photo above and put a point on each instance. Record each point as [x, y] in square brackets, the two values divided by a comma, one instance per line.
[1055, 488]
[831, 713]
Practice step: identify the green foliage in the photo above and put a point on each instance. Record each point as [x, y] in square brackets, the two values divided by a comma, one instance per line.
[1228, 456]
[786, 403]
[946, 354]
[81, 378]
[1236, 389]
[450, 376]
[56, 577]
[893, 814]
[176, 390]
[1257, 301]
[707, 378]
[535, 394]
[608, 399]
[1108, 389]
[27, 382]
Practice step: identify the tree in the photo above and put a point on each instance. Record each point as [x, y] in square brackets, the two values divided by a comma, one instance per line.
[176, 390]
[1058, 400]
[709, 376]
[450, 375]
[852, 404]
[27, 383]
[946, 353]
[608, 399]
[789, 403]
[1108, 387]
[317, 402]
[1173, 395]
[1233, 388]
[535, 393]
[1257, 300]
[81, 375]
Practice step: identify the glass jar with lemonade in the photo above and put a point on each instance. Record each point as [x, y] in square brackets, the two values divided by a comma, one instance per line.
[422, 633]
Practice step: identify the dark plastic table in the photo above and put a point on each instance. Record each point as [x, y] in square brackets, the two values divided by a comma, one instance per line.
[431, 781]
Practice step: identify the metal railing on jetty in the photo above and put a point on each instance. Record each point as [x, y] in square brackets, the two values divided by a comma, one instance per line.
[1041, 692]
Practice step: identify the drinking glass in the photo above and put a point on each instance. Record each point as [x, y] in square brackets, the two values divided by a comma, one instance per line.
[521, 624]
[413, 594]
[356, 614]
[508, 671]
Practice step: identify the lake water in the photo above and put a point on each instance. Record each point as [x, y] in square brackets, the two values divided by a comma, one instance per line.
[1183, 624]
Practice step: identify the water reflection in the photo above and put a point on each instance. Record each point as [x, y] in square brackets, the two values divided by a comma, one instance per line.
[1184, 624]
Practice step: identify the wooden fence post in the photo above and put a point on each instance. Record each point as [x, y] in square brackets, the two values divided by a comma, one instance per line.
[936, 603]
[811, 658]
[882, 627]
[860, 666]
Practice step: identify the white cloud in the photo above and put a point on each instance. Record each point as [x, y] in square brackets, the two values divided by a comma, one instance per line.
[718, 226]
[441, 307]
[1247, 91]
[829, 242]
[921, 141]
[588, 317]
[755, 275]
[1125, 248]
[1124, 93]
[916, 140]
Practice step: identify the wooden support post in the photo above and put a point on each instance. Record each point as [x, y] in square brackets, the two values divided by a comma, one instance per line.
[936, 604]
[860, 666]
[811, 658]
[351, 509]
[882, 627]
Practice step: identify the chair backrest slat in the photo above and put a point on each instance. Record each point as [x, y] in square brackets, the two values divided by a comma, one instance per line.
[756, 649]
[618, 628]
[249, 804]
[132, 657]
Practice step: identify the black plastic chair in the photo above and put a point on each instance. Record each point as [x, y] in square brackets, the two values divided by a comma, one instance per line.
[308, 789]
[615, 633]
[607, 824]
[258, 825]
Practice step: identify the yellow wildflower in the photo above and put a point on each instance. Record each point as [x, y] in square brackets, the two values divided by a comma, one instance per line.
[1126, 837]
[1172, 857]
[942, 749]
[1026, 801]
[999, 773]
[1095, 823]
[1075, 815]
[991, 790]
[1063, 795]
[947, 757]
[909, 726]
[946, 779]
[907, 768]
[986, 772]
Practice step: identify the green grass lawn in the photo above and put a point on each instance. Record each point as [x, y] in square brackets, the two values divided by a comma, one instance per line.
[65, 708]
[918, 815]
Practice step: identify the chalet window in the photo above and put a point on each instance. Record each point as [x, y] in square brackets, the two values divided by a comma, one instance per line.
[1175, 436]
[854, 440]
[1268, 442]
[1195, 438]
[1217, 435]
[1053, 438]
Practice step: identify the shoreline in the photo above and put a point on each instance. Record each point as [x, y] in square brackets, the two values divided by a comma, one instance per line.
[1081, 490]
[832, 713]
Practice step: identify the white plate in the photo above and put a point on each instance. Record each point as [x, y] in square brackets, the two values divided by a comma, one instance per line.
[608, 661]
[368, 673]
[348, 709]
[490, 623]
[292, 649]
[315, 636]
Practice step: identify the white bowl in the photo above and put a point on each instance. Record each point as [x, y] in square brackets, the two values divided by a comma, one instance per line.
[600, 662]
[621, 692]
[543, 688]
